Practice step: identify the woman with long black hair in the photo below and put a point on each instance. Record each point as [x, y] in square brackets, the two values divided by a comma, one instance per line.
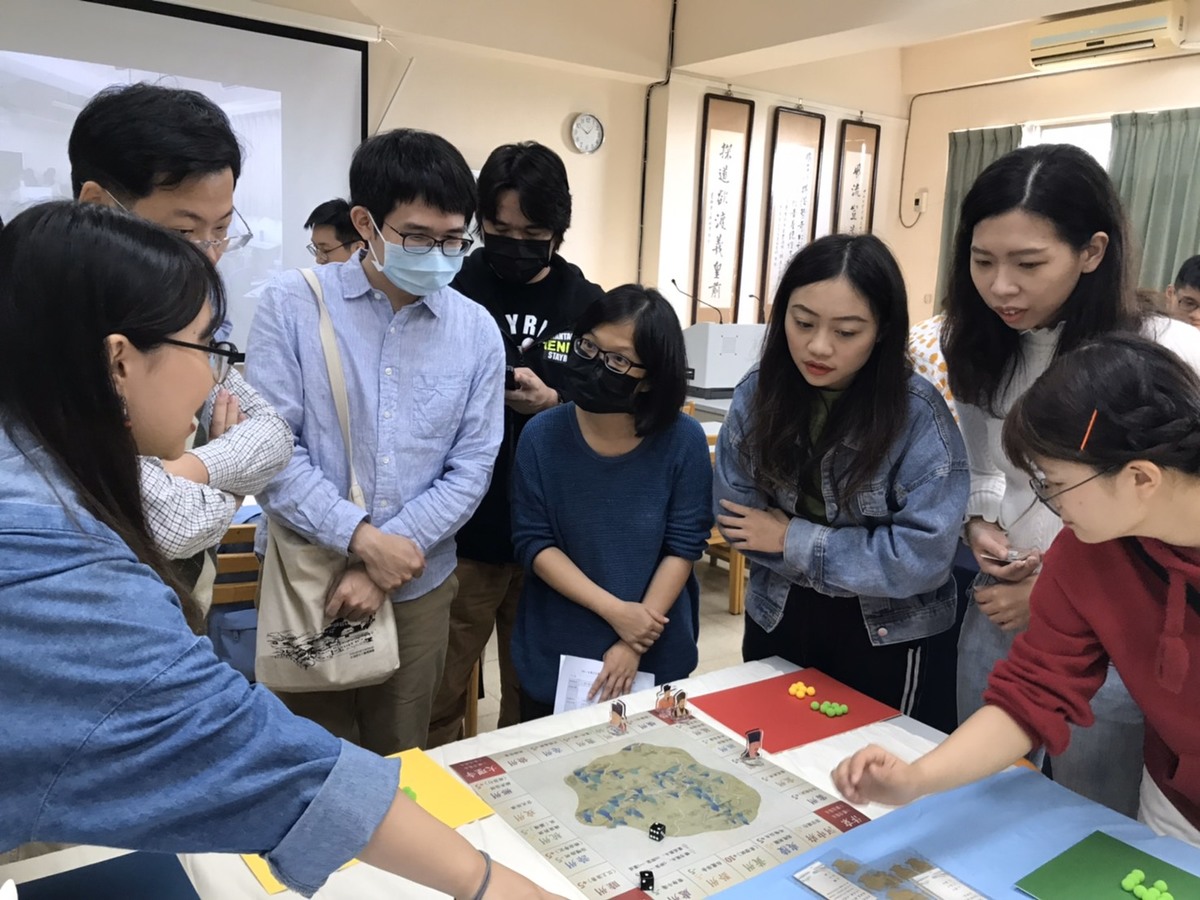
[113, 710]
[840, 473]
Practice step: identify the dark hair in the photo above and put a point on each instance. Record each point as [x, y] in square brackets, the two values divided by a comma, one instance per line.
[1146, 401]
[335, 214]
[132, 139]
[779, 450]
[1067, 187]
[658, 340]
[127, 276]
[1189, 274]
[407, 165]
[538, 176]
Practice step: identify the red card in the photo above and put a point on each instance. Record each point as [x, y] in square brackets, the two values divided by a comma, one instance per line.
[789, 721]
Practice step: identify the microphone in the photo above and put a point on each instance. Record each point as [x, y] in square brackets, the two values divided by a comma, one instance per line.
[720, 318]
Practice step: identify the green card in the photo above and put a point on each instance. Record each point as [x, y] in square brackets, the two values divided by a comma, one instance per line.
[1093, 869]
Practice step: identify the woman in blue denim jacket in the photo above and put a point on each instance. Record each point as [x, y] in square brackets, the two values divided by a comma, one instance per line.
[120, 726]
[843, 478]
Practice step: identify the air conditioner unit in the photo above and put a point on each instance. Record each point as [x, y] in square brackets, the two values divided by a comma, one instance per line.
[1134, 32]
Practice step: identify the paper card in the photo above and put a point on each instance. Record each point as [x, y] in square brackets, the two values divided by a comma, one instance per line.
[576, 676]
[824, 881]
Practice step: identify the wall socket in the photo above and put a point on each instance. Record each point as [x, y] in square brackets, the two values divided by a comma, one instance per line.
[921, 200]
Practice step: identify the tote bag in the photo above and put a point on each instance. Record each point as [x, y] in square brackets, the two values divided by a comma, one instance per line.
[296, 649]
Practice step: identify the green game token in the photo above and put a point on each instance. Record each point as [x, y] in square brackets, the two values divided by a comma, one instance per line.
[412, 795]
[831, 712]
[1139, 891]
[845, 709]
[816, 705]
[1160, 885]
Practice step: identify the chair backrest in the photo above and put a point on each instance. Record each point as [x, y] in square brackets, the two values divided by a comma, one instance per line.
[236, 557]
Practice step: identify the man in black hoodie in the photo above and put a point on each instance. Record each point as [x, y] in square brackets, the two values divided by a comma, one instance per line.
[535, 296]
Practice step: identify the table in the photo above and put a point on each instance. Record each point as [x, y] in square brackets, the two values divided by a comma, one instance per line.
[225, 876]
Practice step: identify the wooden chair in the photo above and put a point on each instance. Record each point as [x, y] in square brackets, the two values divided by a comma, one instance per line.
[718, 548]
[237, 562]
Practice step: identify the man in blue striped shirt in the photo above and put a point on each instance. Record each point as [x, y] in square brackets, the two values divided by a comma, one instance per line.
[424, 370]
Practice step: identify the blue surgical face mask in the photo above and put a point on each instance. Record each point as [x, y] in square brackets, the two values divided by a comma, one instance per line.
[419, 274]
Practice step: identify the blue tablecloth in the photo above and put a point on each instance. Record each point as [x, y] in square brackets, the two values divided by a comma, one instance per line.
[989, 835]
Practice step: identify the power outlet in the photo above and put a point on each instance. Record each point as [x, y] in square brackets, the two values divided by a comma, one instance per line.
[921, 200]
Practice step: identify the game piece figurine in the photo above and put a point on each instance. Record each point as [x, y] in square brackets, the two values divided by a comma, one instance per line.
[753, 744]
[658, 831]
[646, 880]
[680, 709]
[665, 699]
[617, 724]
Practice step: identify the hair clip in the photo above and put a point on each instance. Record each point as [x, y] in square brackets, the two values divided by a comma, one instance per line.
[1087, 434]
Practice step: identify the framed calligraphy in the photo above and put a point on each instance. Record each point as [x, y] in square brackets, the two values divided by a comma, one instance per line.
[854, 187]
[721, 206]
[796, 141]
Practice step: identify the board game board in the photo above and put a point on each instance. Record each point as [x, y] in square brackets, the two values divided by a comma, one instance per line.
[586, 800]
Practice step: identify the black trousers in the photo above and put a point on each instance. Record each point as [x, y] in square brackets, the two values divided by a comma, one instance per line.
[534, 709]
[828, 633]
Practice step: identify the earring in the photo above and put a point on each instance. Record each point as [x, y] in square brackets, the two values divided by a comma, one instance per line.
[125, 412]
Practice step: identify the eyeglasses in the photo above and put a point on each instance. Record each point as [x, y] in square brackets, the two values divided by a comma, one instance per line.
[1042, 491]
[221, 356]
[423, 243]
[320, 253]
[614, 362]
[227, 244]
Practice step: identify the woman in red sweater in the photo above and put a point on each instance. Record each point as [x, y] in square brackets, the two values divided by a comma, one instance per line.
[1111, 435]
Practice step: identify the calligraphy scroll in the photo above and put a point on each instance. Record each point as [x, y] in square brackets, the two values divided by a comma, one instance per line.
[795, 172]
[721, 206]
[857, 166]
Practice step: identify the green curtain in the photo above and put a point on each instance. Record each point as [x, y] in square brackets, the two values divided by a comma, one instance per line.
[1156, 168]
[970, 153]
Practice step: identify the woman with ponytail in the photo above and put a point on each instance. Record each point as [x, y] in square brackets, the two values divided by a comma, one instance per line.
[1111, 437]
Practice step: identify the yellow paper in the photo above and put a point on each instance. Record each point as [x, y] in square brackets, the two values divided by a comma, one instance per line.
[438, 793]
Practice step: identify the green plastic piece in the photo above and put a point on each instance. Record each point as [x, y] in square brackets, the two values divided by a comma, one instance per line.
[1160, 885]
[830, 712]
[412, 795]
[1138, 876]
[1166, 896]
[1153, 893]
[845, 709]
[1140, 892]
[816, 705]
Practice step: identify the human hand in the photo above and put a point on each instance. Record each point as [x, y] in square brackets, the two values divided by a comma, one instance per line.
[508, 885]
[873, 775]
[616, 677]
[747, 528]
[390, 559]
[989, 544]
[353, 595]
[532, 394]
[636, 624]
[1006, 604]
[226, 413]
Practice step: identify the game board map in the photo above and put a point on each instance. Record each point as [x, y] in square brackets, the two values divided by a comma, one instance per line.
[905, 875]
[523, 786]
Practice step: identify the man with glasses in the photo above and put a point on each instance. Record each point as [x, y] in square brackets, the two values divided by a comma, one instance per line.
[170, 156]
[424, 373]
[334, 239]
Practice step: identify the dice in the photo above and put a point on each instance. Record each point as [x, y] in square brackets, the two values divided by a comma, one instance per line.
[658, 831]
[646, 880]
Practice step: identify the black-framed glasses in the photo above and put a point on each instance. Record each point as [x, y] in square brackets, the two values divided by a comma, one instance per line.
[1042, 491]
[423, 243]
[222, 356]
[614, 362]
[320, 253]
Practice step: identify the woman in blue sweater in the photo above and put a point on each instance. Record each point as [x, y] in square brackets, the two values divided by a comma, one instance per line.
[842, 476]
[612, 497]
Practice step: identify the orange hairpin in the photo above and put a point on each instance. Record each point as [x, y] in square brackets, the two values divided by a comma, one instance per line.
[1087, 434]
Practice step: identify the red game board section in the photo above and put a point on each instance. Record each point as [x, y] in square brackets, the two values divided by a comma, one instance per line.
[635, 894]
[842, 815]
[478, 769]
[787, 721]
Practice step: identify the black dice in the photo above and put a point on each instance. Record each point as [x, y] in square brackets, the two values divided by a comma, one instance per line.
[646, 880]
[658, 831]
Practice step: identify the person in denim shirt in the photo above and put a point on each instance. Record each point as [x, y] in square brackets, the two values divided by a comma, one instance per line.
[120, 726]
[842, 476]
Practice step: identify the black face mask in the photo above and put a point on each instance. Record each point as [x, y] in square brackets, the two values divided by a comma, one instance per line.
[596, 388]
[515, 260]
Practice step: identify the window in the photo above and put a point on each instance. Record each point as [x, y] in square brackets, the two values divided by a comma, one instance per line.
[1094, 137]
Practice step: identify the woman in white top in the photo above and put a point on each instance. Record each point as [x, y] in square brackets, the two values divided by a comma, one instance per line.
[1041, 265]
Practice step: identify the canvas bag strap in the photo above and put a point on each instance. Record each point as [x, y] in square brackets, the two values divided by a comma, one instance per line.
[337, 381]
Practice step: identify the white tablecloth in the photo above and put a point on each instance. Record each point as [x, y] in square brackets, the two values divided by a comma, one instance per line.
[225, 877]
